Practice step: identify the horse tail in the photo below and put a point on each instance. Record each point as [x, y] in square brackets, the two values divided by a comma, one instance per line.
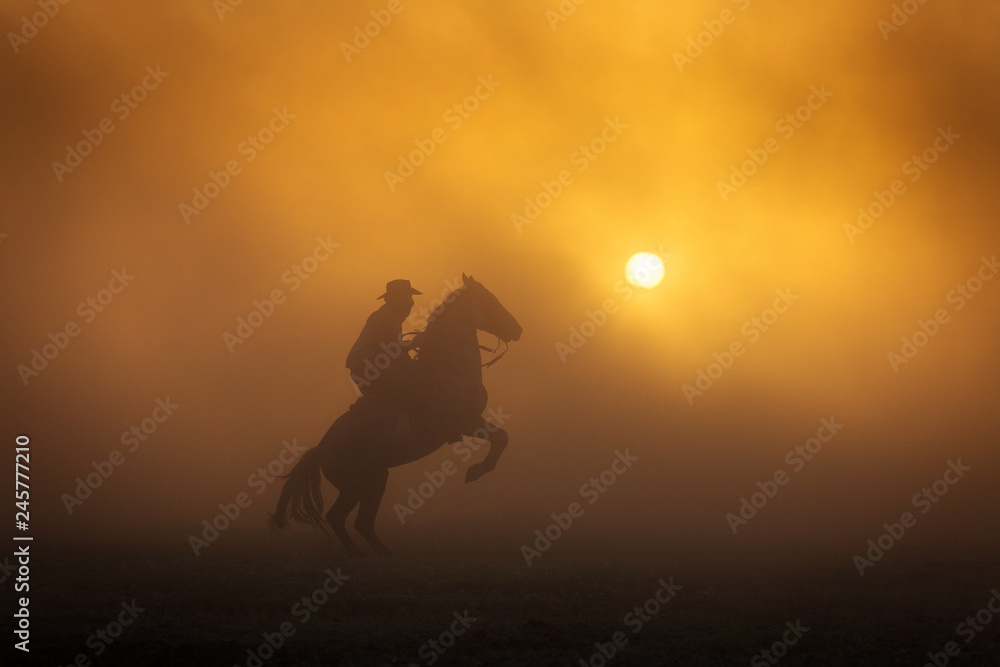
[301, 497]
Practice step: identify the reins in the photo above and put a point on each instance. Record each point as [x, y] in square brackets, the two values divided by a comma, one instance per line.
[493, 350]
[498, 357]
[419, 333]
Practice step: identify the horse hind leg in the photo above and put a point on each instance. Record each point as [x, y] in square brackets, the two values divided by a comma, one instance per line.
[371, 499]
[337, 518]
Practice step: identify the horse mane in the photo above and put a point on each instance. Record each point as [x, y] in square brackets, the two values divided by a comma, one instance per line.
[436, 317]
[439, 310]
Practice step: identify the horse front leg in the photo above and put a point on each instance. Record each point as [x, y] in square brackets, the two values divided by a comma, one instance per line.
[497, 437]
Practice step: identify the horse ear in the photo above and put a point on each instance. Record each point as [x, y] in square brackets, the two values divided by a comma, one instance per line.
[465, 279]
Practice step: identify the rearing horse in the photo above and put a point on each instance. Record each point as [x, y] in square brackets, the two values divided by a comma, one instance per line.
[356, 453]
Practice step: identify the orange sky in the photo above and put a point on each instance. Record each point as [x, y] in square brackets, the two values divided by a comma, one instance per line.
[679, 128]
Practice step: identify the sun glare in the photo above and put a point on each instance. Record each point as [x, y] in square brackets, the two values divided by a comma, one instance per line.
[644, 269]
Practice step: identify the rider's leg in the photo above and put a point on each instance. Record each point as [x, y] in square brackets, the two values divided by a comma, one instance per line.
[398, 391]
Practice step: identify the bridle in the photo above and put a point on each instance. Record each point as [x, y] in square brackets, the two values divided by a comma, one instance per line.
[493, 350]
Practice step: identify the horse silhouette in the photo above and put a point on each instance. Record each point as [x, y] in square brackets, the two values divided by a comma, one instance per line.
[448, 401]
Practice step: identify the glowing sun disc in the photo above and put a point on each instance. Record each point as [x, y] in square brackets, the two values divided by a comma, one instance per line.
[644, 269]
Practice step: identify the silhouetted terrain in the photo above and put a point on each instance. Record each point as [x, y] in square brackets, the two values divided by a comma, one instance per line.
[212, 610]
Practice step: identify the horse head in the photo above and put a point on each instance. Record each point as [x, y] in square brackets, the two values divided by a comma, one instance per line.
[452, 325]
[488, 314]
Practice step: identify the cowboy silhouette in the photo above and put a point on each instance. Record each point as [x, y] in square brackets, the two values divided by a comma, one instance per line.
[379, 361]
[358, 450]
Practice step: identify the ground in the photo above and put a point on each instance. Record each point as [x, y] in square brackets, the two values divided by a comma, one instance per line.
[216, 610]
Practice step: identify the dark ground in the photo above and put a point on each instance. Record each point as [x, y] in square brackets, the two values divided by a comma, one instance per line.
[210, 610]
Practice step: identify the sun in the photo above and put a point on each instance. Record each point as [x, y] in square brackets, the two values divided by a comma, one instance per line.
[644, 269]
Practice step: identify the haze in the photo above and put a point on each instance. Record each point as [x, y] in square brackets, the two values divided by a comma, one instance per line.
[588, 142]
